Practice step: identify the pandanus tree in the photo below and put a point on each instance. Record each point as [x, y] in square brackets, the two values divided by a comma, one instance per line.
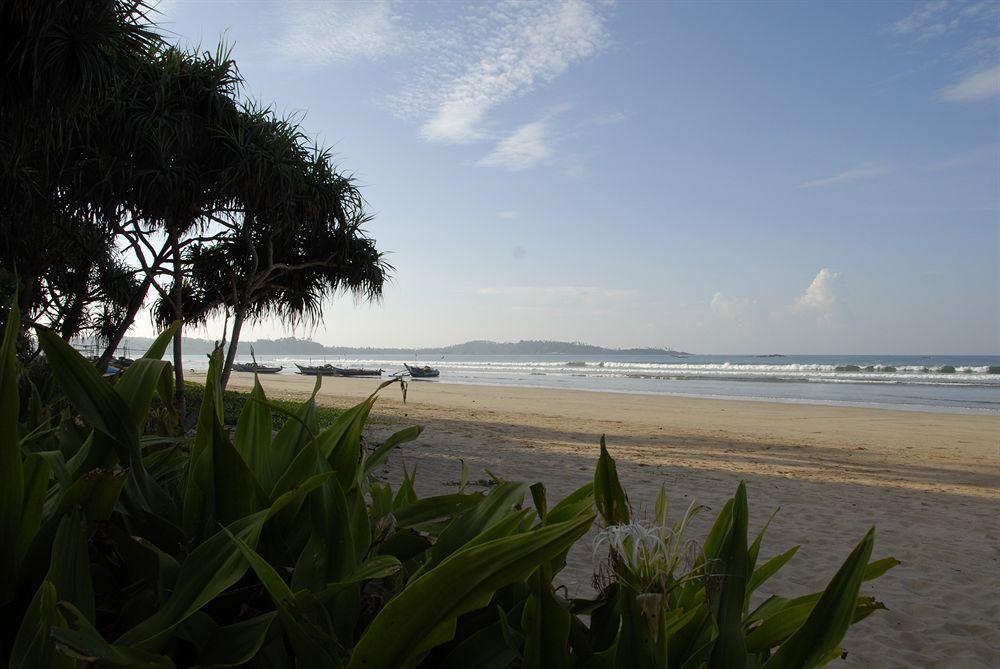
[60, 62]
[292, 239]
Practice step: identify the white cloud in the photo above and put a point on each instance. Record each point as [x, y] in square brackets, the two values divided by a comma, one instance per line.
[981, 85]
[584, 293]
[990, 152]
[321, 33]
[507, 214]
[513, 48]
[928, 20]
[850, 176]
[524, 148]
[820, 298]
[729, 308]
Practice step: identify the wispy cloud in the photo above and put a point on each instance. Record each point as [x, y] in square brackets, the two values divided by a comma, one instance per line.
[314, 33]
[850, 176]
[969, 158]
[820, 298]
[970, 25]
[981, 85]
[507, 214]
[509, 51]
[928, 20]
[729, 308]
[524, 148]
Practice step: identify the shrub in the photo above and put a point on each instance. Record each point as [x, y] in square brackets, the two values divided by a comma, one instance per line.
[129, 549]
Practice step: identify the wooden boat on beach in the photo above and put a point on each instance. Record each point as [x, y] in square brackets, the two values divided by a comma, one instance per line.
[330, 370]
[255, 368]
[425, 372]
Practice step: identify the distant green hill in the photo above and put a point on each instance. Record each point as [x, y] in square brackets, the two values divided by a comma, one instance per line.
[293, 346]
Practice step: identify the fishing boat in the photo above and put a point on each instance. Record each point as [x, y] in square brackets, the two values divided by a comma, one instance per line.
[330, 370]
[425, 372]
[255, 368]
[356, 371]
[318, 370]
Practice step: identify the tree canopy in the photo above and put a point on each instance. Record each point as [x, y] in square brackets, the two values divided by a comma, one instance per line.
[130, 166]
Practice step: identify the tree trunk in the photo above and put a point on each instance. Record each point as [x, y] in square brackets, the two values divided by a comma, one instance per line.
[133, 309]
[234, 342]
[178, 293]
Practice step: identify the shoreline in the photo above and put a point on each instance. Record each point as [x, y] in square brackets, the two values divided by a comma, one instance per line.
[928, 481]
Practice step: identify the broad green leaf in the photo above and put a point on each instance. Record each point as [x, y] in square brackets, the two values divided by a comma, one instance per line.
[610, 497]
[643, 641]
[826, 625]
[730, 648]
[546, 625]
[662, 506]
[36, 482]
[312, 649]
[69, 568]
[33, 647]
[137, 385]
[211, 568]
[81, 641]
[329, 554]
[424, 614]
[484, 649]
[235, 645]
[221, 486]
[777, 627]
[253, 439]
[435, 509]
[769, 569]
[102, 407]
[379, 456]
[539, 499]
[716, 538]
[159, 346]
[497, 505]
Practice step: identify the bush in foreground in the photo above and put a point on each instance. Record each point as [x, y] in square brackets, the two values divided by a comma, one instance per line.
[264, 549]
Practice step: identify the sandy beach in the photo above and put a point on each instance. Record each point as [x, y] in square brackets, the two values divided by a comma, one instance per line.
[927, 481]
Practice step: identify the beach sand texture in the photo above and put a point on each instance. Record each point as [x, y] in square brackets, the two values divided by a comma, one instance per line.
[927, 481]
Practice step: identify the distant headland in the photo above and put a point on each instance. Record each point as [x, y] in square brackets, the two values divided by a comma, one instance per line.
[296, 346]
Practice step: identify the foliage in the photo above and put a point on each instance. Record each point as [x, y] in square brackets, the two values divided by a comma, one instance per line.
[128, 165]
[126, 548]
[234, 402]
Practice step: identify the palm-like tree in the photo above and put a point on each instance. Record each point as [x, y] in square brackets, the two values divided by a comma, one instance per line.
[293, 238]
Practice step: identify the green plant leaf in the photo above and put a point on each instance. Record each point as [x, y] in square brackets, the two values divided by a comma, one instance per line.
[235, 645]
[828, 622]
[33, 647]
[423, 615]
[379, 456]
[212, 567]
[37, 472]
[69, 568]
[730, 649]
[769, 569]
[102, 407]
[610, 497]
[81, 641]
[546, 625]
[312, 648]
[158, 348]
[253, 439]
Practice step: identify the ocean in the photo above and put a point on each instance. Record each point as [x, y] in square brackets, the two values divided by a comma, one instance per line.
[955, 383]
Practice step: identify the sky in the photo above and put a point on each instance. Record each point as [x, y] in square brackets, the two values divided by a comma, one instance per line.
[714, 177]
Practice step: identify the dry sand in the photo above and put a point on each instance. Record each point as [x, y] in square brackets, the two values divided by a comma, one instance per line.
[927, 481]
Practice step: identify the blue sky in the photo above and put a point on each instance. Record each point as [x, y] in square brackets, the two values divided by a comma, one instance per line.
[716, 177]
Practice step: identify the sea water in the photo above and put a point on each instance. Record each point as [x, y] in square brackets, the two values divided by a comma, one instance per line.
[951, 383]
